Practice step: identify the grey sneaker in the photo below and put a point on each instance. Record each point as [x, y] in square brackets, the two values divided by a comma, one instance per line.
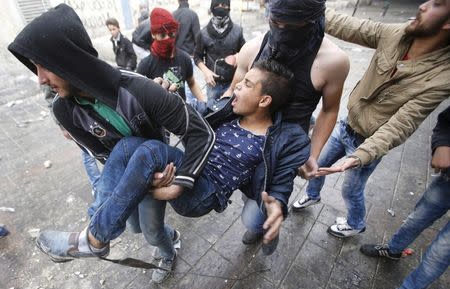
[63, 246]
[304, 202]
[175, 241]
[159, 275]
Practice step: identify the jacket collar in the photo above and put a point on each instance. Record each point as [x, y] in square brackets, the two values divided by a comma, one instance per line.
[184, 4]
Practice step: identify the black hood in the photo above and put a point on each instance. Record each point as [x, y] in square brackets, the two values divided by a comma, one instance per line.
[58, 41]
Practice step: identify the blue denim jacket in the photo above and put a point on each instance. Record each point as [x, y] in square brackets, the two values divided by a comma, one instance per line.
[286, 148]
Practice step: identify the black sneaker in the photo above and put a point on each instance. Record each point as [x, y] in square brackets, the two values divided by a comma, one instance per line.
[251, 237]
[379, 251]
[269, 248]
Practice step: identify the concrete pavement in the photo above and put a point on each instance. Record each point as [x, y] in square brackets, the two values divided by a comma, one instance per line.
[212, 254]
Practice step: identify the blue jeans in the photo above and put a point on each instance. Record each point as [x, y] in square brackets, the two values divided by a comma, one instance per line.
[92, 171]
[343, 142]
[434, 203]
[124, 188]
[128, 175]
[215, 92]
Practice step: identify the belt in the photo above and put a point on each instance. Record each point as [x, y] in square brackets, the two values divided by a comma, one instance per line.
[352, 132]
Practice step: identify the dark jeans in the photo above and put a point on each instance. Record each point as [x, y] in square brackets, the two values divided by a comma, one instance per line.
[434, 203]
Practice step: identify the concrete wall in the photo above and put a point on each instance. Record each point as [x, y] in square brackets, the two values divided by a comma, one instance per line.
[15, 80]
[12, 23]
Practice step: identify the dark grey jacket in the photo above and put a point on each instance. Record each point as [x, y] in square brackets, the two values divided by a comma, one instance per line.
[189, 27]
[209, 48]
[125, 56]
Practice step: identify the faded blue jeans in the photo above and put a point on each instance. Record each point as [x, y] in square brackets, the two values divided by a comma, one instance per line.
[124, 192]
[434, 203]
[343, 142]
[92, 171]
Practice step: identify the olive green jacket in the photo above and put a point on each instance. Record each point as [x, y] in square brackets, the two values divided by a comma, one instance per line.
[394, 96]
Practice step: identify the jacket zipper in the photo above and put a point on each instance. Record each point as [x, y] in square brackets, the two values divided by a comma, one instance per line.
[265, 168]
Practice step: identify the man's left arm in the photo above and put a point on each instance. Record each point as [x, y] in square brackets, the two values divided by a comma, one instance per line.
[393, 133]
[399, 127]
[295, 153]
[336, 73]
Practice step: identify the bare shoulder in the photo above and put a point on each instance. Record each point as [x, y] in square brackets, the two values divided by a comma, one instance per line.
[331, 58]
[330, 69]
[248, 52]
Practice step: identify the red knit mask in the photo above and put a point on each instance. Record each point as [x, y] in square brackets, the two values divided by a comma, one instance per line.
[163, 48]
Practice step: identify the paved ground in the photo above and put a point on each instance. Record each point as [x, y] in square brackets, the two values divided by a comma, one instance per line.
[212, 255]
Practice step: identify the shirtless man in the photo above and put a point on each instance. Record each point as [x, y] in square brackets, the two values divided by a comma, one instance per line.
[296, 39]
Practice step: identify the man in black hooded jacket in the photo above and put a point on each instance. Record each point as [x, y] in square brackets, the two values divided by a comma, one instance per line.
[219, 39]
[98, 104]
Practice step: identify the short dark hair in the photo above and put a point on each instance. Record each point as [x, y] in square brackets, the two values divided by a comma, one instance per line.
[278, 82]
[112, 21]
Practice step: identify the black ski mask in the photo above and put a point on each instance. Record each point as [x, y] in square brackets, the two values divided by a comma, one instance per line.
[295, 40]
[220, 11]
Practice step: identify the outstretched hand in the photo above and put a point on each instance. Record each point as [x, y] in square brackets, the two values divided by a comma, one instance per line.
[309, 169]
[165, 178]
[274, 217]
[346, 164]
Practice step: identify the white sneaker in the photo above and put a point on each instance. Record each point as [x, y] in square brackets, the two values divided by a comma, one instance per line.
[304, 202]
[342, 229]
[341, 220]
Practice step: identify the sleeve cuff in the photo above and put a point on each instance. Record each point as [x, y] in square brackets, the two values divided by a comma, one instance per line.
[363, 156]
[184, 181]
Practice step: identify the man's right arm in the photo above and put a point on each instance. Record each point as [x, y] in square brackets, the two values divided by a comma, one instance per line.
[244, 59]
[359, 31]
[199, 55]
